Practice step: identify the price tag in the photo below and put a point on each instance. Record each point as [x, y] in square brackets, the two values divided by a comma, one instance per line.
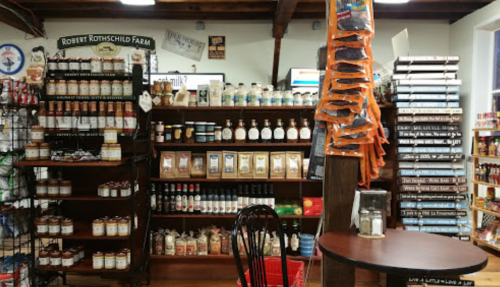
[145, 102]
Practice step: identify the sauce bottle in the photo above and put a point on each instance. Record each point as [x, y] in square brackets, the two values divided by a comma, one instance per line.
[59, 115]
[279, 132]
[42, 115]
[85, 120]
[253, 132]
[110, 115]
[51, 118]
[178, 200]
[266, 134]
[291, 132]
[93, 117]
[129, 118]
[119, 117]
[305, 132]
[241, 96]
[227, 132]
[68, 114]
[75, 117]
[101, 117]
[240, 133]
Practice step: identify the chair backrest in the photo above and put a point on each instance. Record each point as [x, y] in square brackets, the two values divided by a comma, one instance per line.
[257, 219]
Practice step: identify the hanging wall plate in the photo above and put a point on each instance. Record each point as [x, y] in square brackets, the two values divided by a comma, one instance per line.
[11, 59]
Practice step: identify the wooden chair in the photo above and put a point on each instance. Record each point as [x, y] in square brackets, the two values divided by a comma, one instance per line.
[257, 219]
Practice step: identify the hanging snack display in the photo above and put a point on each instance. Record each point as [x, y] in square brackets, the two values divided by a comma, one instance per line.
[347, 103]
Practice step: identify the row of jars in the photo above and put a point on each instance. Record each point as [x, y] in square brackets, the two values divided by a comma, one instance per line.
[37, 151]
[114, 189]
[53, 188]
[54, 226]
[53, 257]
[86, 65]
[89, 88]
[187, 133]
[111, 260]
[111, 152]
[116, 226]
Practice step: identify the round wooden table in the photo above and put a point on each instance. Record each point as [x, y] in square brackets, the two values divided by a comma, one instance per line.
[404, 253]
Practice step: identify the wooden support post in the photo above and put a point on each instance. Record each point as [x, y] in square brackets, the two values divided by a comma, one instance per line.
[339, 185]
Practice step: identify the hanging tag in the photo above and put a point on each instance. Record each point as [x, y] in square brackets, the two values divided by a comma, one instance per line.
[157, 100]
[145, 102]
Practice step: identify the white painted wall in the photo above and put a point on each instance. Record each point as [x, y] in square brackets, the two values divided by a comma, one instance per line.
[250, 45]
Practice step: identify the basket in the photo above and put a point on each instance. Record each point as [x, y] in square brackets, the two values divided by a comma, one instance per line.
[274, 274]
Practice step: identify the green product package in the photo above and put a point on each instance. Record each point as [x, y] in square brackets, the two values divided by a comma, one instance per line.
[294, 208]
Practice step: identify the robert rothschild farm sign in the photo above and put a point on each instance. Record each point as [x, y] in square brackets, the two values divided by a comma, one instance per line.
[96, 39]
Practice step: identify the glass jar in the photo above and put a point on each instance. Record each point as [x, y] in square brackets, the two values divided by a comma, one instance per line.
[44, 151]
[51, 88]
[159, 128]
[127, 251]
[67, 259]
[41, 188]
[201, 127]
[55, 258]
[44, 258]
[105, 88]
[95, 88]
[105, 190]
[74, 251]
[168, 133]
[218, 134]
[127, 89]
[32, 151]
[42, 226]
[67, 227]
[72, 88]
[53, 188]
[85, 66]
[210, 127]
[121, 261]
[113, 190]
[63, 64]
[111, 227]
[83, 88]
[177, 133]
[119, 65]
[37, 134]
[125, 190]
[61, 88]
[105, 152]
[159, 138]
[65, 188]
[110, 135]
[96, 63]
[123, 227]
[201, 137]
[98, 260]
[364, 222]
[109, 260]
[115, 152]
[107, 65]
[307, 99]
[54, 226]
[74, 65]
[98, 227]
[189, 132]
[117, 88]
[81, 252]
[377, 223]
[210, 137]
[52, 66]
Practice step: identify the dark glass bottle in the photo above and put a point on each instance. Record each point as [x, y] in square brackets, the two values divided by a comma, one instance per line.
[253, 196]
[271, 199]
[197, 199]
[210, 203]
[185, 199]
[294, 239]
[285, 235]
[240, 197]
[246, 197]
[159, 202]
[266, 134]
[172, 199]
[222, 202]
[94, 128]
[203, 199]
[215, 203]
[265, 196]
[178, 200]
[253, 132]
[234, 202]
[166, 200]
[259, 195]
[152, 194]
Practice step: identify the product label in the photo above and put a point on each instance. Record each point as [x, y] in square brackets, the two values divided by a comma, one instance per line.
[229, 164]
[119, 66]
[226, 134]
[51, 122]
[73, 90]
[110, 263]
[54, 229]
[129, 123]
[266, 134]
[37, 135]
[246, 201]
[279, 134]
[67, 122]
[53, 190]
[190, 204]
[167, 164]
[218, 135]
[106, 66]
[203, 207]
[45, 152]
[253, 134]
[67, 262]
[178, 203]
[65, 230]
[214, 164]
[42, 228]
[110, 121]
[85, 66]
[98, 263]
[197, 202]
[240, 134]
[93, 123]
[305, 134]
[84, 121]
[110, 137]
[44, 261]
[51, 89]
[98, 230]
[55, 261]
[210, 206]
[127, 90]
[64, 66]
[117, 90]
[215, 206]
[260, 166]
[42, 121]
[121, 263]
[111, 229]
[52, 66]
[41, 190]
[292, 134]
[294, 242]
[95, 90]
[278, 166]
[32, 153]
[115, 155]
[119, 122]
[65, 190]
[293, 164]
[183, 163]
[123, 230]
[101, 122]
[244, 164]
[105, 90]
[198, 163]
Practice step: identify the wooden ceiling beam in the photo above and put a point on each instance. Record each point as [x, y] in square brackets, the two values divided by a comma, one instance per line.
[9, 18]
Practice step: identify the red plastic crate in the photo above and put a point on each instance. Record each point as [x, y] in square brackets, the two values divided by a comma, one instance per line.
[274, 274]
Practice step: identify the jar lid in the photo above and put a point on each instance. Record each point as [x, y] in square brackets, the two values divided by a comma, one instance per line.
[364, 211]
[73, 81]
[123, 220]
[32, 145]
[105, 82]
[118, 59]
[210, 134]
[98, 253]
[96, 59]
[53, 181]
[210, 124]
[36, 127]
[52, 81]
[110, 254]
[53, 59]
[67, 253]
[74, 58]
[55, 253]
[218, 127]
[111, 220]
[61, 81]
[126, 82]
[189, 123]
[201, 134]
[44, 145]
[94, 81]
[98, 220]
[108, 59]
[42, 219]
[117, 82]
[65, 182]
[84, 59]
[84, 82]
[40, 182]
[177, 126]
[54, 220]
[121, 254]
[67, 220]
[105, 145]
[168, 126]
[109, 128]
[64, 59]
[200, 123]
[44, 253]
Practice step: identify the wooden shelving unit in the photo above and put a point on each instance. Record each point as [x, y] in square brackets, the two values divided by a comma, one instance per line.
[485, 183]
[49, 163]
[82, 267]
[485, 243]
[485, 211]
[84, 198]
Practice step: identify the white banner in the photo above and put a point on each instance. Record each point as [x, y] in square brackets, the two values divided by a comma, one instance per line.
[191, 81]
[183, 45]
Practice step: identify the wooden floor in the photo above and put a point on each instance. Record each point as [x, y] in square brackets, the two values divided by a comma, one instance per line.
[488, 277]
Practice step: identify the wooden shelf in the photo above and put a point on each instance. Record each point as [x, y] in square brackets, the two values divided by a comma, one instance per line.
[89, 98]
[485, 156]
[231, 216]
[283, 108]
[83, 198]
[486, 130]
[50, 163]
[485, 243]
[62, 75]
[236, 180]
[229, 145]
[223, 257]
[84, 232]
[486, 211]
[85, 266]
[485, 183]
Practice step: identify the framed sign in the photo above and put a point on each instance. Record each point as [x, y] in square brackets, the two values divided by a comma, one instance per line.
[183, 45]
[217, 47]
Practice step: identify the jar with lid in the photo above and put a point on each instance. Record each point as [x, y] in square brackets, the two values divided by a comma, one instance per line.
[61, 88]
[98, 227]
[117, 88]
[125, 190]
[55, 258]
[127, 89]
[32, 151]
[41, 188]
[119, 65]
[110, 135]
[44, 258]
[97, 260]
[73, 88]
[74, 65]
[168, 133]
[81, 252]
[53, 188]
[297, 99]
[107, 65]
[44, 151]
[123, 225]
[52, 65]
[37, 134]
[288, 98]
[65, 188]
[210, 127]
[105, 190]
[105, 88]
[189, 132]
[159, 128]
[218, 134]
[85, 66]
[95, 88]
[63, 64]
[67, 259]
[115, 152]
[109, 260]
[201, 127]
[113, 190]
[83, 88]
[277, 99]
[42, 226]
[201, 137]
[74, 251]
[105, 152]
[54, 226]
[67, 227]
[111, 227]
[210, 137]
[121, 261]
[159, 138]
[364, 222]
[177, 133]
[96, 63]
[307, 99]
[376, 223]
[51, 88]
[127, 251]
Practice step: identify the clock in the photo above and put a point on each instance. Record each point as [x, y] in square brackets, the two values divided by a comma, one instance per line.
[11, 59]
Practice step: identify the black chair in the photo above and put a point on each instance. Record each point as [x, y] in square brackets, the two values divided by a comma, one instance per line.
[257, 219]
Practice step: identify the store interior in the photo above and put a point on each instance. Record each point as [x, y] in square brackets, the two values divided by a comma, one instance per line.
[185, 114]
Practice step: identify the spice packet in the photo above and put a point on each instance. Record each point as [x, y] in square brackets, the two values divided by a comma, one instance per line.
[158, 241]
[261, 165]
[214, 164]
[351, 95]
[245, 164]
[230, 167]
[349, 18]
[278, 164]
[198, 168]
[183, 161]
[225, 241]
[167, 164]
[341, 116]
[359, 138]
[293, 164]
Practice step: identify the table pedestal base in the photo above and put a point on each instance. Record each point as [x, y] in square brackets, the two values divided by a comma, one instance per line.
[396, 280]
